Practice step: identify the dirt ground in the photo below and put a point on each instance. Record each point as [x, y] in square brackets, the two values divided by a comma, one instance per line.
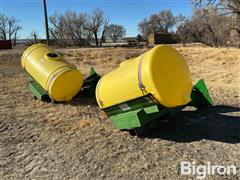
[40, 140]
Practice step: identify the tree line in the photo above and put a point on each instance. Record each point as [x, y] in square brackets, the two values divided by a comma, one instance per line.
[211, 23]
[81, 29]
[70, 28]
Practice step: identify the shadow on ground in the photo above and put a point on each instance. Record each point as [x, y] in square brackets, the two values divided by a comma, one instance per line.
[218, 123]
[83, 100]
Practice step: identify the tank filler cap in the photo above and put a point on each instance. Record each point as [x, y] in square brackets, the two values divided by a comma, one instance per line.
[52, 55]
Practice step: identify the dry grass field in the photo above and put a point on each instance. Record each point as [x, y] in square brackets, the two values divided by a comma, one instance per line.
[74, 140]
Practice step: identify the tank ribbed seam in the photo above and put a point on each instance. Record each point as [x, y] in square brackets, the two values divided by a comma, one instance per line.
[140, 82]
[55, 74]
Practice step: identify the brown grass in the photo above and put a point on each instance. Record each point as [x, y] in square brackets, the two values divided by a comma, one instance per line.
[76, 140]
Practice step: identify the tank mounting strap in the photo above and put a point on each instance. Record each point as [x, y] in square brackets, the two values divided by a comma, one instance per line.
[140, 83]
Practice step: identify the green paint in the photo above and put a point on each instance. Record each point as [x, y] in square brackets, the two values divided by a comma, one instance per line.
[141, 117]
[92, 71]
[138, 112]
[200, 95]
[134, 113]
[90, 83]
[131, 105]
[151, 109]
[136, 118]
[38, 91]
[126, 120]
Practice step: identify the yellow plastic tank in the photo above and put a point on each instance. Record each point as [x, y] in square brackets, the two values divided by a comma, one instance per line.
[161, 71]
[60, 79]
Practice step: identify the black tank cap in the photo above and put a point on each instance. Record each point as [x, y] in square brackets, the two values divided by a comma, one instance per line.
[52, 55]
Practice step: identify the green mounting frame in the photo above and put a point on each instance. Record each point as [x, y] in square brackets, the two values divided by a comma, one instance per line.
[200, 95]
[132, 114]
[90, 83]
[38, 91]
[88, 88]
[139, 112]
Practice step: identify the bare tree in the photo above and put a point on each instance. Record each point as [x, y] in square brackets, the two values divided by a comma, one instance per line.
[114, 32]
[12, 26]
[78, 29]
[103, 34]
[9, 28]
[75, 27]
[3, 26]
[166, 20]
[154, 23]
[207, 27]
[69, 28]
[96, 23]
[226, 7]
[191, 31]
[16, 30]
[34, 35]
[161, 22]
[232, 6]
[144, 28]
[57, 31]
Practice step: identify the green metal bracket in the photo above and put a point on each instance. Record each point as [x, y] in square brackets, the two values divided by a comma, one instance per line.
[90, 83]
[137, 113]
[200, 95]
[133, 113]
[38, 91]
[141, 117]
[136, 118]
[135, 104]
[92, 71]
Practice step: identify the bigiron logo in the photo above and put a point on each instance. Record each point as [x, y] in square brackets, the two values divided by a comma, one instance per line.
[202, 171]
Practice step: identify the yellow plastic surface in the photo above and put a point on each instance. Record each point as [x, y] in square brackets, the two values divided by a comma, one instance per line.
[165, 74]
[60, 79]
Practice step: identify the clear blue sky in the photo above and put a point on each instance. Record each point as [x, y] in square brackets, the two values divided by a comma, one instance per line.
[125, 12]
